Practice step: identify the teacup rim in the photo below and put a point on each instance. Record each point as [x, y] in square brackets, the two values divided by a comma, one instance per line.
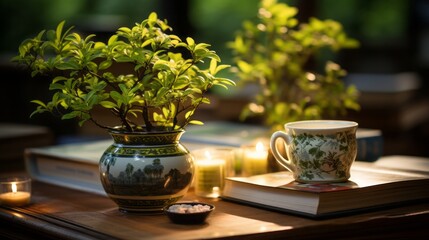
[339, 124]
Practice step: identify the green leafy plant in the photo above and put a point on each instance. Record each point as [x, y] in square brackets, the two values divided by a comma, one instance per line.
[274, 52]
[148, 79]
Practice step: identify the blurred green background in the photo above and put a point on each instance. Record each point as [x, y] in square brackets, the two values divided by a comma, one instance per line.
[394, 37]
[376, 23]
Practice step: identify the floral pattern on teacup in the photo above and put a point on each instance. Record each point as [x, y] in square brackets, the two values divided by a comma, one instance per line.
[323, 157]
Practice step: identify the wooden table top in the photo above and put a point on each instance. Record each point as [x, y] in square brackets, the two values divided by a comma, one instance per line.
[60, 213]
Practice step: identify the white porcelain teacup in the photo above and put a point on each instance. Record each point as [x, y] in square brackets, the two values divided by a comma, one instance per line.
[317, 150]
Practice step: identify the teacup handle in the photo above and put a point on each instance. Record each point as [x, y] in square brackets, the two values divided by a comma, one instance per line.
[280, 159]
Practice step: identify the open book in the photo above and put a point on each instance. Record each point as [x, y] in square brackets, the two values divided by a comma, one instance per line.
[369, 187]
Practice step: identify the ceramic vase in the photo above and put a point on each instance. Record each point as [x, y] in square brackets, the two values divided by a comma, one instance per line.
[144, 172]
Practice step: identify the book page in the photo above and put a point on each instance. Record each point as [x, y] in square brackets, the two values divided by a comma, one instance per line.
[406, 163]
[362, 175]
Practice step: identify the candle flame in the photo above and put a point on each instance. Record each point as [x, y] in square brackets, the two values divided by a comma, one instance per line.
[14, 187]
[260, 147]
[208, 155]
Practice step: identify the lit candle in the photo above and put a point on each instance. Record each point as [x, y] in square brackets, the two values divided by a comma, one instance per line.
[255, 160]
[209, 176]
[15, 191]
[15, 198]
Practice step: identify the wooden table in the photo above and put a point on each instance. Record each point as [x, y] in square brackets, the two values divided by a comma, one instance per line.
[60, 213]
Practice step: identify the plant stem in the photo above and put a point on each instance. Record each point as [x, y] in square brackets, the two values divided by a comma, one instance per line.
[123, 116]
[97, 124]
[146, 119]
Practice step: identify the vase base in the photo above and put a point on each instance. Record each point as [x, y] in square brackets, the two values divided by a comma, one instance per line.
[144, 204]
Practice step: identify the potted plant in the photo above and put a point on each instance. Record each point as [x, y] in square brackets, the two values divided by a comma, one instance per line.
[275, 53]
[151, 81]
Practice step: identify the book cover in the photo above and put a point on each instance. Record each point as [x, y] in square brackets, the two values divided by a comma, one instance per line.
[370, 186]
[369, 144]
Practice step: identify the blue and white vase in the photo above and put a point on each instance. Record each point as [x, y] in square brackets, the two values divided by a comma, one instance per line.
[145, 171]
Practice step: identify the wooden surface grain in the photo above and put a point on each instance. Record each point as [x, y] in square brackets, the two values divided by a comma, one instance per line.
[60, 213]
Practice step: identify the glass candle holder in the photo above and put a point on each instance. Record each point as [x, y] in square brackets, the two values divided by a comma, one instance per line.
[15, 192]
[255, 159]
[212, 165]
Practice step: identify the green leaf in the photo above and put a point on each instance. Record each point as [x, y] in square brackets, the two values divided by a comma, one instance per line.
[153, 17]
[124, 29]
[105, 64]
[99, 45]
[56, 86]
[70, 115]
[196, 122]
[173, 108]
[190, 42]
[58, 79]
[161, 65]
[213, 66]
[59, 30]
[146, 43]
[196, 90]
[189, 114]
[180, 83]
[165, 111]
[108, 104]
[68, 66]
[206, 100]
[162, 91]
[114, 38]
[38, 102]
[117, 97]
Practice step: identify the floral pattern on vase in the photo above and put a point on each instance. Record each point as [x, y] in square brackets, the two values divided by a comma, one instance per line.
[144, 172]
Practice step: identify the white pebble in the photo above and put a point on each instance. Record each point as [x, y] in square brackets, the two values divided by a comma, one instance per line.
[187, 208]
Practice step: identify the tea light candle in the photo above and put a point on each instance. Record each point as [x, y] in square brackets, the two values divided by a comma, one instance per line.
[255, 160]
[209, 176]
[15, 192]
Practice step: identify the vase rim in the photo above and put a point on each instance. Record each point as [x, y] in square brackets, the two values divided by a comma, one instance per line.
[117, 131]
